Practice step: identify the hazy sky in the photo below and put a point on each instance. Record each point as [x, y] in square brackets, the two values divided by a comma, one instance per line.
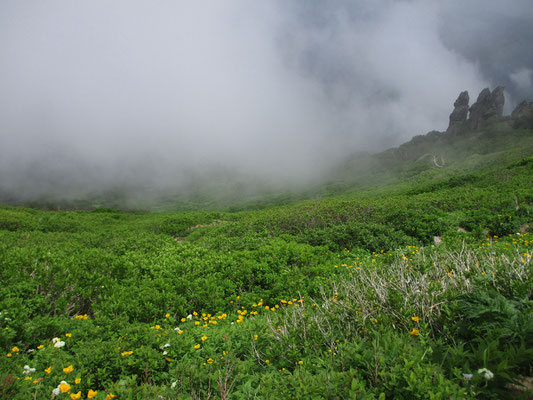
[97, 93]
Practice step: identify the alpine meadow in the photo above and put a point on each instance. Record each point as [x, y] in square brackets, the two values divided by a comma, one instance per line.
[333, 255]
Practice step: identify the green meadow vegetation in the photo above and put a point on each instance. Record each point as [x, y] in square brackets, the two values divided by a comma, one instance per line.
[412, 285]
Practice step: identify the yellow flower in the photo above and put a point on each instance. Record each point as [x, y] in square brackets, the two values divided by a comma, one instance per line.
[267, 362]
[48, 370]
[68, 370]
[64, 387]
[110, 396]
[183, 319]
[197, 346]
[91, 394]
[8, 355]
[40, 346]
[75, 396]
[77, 380]
[167, 315]
[204, 338]
[15, 349]
[416, 319]
[210, 361]
[255, 337]
[126, 353]
[415, 332]
[300, 362]
[68, 334]
[195, 313]
[196, 322]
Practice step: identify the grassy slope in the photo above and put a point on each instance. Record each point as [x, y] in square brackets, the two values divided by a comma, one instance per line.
[336, 297]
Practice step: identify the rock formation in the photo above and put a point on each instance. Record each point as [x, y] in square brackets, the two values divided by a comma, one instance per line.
[522, 116]
[459, 113]
[523, 109]
[488, 105]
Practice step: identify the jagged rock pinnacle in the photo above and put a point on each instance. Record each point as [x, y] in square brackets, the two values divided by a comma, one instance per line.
[459, 113]
[488, 105]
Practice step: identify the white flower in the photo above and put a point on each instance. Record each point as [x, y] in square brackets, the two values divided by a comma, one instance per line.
[59, 344]
[468, 376]
[486, 373]
[55, 340]
[27, 370]
[173, 384]
[165, 353]
[57, 390]
[189, 316]
[166, 345]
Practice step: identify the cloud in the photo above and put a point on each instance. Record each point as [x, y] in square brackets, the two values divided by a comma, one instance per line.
[523, 78]
[154, 94]
[384, 68]
[494, 35]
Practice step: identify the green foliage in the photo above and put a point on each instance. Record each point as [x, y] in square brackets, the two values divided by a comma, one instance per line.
[344, 297]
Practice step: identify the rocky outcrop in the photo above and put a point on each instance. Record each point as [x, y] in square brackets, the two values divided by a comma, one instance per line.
[488, 105]
[523, 109]
[459, 113]
[522, 116]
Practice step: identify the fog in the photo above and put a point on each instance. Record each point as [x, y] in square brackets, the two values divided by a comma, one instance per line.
[98, 95]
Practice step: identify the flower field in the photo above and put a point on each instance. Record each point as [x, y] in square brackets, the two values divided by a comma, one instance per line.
[414, 290]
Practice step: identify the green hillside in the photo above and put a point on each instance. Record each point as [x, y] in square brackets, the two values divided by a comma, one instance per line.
[403, 275]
